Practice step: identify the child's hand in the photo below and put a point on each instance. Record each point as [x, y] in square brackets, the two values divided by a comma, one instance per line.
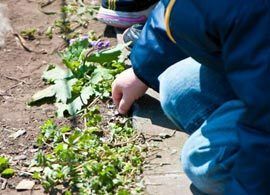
[126, 89]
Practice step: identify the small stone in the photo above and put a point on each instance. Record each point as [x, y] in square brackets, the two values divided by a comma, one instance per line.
[26, 163]
[25, 185]
[116, 113]
[33, 150]
[35, 169]
[173, 152]
[20, 157]
[18, 134]
[111, 106]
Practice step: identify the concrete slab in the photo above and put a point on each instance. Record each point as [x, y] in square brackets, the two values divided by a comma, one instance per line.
[167, 184]
[163, 174]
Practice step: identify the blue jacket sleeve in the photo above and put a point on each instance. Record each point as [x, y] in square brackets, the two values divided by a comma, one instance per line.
[246, 54]
[154, 52]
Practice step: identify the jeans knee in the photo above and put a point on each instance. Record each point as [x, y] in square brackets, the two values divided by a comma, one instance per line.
[179, 88]
[167, 100]
[208, 168]
[169, 95]
[201, 176]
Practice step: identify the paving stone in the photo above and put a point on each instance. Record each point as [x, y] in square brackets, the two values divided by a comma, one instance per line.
[167, 184]
[163, 175]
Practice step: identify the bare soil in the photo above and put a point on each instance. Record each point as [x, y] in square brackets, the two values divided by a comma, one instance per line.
[20, 78]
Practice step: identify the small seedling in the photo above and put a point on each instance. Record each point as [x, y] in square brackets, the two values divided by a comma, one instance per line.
[7, 173]
[3, 164]
[49, 32]
[29, 34]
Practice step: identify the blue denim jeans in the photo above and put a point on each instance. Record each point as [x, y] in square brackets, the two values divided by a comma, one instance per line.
[201, 102]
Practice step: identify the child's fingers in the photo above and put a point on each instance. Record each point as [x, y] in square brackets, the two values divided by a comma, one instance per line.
[125, 104]
[116, 93]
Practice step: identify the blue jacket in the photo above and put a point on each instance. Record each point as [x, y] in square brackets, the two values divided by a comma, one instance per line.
[233, 37]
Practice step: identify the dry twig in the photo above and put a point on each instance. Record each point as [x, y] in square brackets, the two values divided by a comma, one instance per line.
[45, 4]
[13, 79]
[24, 46]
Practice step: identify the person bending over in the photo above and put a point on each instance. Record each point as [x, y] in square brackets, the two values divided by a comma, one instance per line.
[210, 62]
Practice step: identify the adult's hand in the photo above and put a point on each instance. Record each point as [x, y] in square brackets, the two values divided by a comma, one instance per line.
[127, 88]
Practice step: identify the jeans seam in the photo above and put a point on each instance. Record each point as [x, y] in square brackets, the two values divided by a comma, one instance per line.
[198, 121]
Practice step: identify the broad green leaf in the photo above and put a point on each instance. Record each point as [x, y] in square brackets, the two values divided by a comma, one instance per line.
[73, 52]
[77, 104]
[86, 93]
[100, 74]
[56, 73]
[72, 65]
[106, 55]
[62, 108]
[63, 90]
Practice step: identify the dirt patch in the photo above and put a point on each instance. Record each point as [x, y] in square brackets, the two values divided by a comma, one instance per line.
[20, 78]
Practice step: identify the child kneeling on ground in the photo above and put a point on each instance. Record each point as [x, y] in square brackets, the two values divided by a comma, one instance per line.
[210, 62]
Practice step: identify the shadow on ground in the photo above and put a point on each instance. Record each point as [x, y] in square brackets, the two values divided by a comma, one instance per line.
[149, 107]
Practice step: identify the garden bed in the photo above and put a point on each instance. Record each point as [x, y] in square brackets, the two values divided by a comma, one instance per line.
[38, 36]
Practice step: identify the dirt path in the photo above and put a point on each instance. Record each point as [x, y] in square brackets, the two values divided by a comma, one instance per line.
[20, 78]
